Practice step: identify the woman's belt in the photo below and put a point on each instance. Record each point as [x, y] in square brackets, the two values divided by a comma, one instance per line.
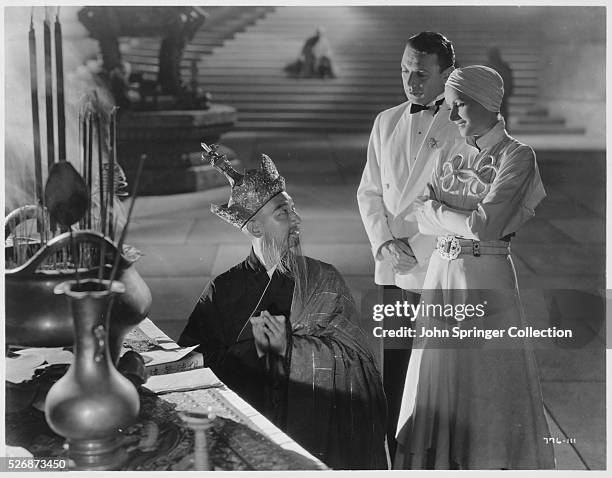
[451, 247]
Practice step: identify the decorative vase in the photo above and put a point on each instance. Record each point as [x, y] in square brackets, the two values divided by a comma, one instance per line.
[92, 401]
[36, 317]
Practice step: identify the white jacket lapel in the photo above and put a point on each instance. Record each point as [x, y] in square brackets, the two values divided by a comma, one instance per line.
[399, 141]
[437, 133]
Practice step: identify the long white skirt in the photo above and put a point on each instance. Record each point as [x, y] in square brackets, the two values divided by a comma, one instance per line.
[472, 403]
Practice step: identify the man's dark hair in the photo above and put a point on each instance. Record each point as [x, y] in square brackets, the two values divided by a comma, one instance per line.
[433, 42]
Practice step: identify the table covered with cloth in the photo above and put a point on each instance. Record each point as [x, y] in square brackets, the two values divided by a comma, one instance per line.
[160, 440]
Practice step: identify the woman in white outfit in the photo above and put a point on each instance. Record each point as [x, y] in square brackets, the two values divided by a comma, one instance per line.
[474, 402]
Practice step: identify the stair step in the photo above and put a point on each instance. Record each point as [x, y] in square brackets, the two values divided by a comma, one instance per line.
[313, 116]
[280, 79]
[313, 98]
[467, 41]
[325, 109]
[358, 57]
[398, 24]
[209, 74]
[328, 86]
[228, 61]
[523, 129]
[307, 117]
[241, 52]
[382, 98]
[552, 120]
[541, 111]
[347, 126]
[296, 126]
[348, 69]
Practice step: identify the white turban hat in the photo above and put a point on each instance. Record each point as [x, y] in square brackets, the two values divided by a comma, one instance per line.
[481, 83]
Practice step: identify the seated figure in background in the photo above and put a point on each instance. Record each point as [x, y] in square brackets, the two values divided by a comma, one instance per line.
[315, 59]
[280, 330]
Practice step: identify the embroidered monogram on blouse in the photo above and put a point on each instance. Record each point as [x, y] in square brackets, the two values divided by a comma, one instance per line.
[478, 178]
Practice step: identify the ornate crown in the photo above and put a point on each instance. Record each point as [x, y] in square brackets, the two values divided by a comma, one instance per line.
[250, 191]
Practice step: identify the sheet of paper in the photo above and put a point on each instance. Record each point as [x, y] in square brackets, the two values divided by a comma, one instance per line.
[17, 451]
[155, 357]
[153, 344]
[151, 330]
[182, 381]
[51, 355]
[20, 369]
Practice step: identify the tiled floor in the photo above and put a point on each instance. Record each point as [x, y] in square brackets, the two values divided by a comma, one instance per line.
[559, 256]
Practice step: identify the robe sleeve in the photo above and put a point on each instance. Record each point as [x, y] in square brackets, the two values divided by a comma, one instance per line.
[370, 195]
[277, 376]
[221, 353]
[336, 403]
[502, 211]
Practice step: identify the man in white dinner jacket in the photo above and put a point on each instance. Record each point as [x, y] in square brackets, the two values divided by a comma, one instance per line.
[401, 154]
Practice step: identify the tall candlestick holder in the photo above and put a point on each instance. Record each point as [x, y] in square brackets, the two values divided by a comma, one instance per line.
[200, 422]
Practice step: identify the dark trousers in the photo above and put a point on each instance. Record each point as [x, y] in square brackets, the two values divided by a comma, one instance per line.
[395, 364]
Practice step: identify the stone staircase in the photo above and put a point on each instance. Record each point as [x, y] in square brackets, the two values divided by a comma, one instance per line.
[241, 52]
[222, 23]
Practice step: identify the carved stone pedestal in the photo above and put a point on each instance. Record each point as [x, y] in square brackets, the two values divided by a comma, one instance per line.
[171, 140]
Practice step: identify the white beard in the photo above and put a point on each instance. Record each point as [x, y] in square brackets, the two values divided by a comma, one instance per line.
[288, 260]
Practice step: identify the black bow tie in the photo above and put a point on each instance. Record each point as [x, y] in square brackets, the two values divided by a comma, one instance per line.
[415, 107]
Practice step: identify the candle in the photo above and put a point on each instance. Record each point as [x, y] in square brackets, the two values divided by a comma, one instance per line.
[35, 119]
[89, 159]
[48, 90]
[59, 68]
[111, 174]
[100, 176]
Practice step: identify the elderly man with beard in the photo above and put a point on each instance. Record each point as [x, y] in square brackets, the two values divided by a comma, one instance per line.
[279, 329]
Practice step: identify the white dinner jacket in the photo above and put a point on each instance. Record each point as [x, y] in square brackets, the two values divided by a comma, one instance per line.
[391, 182]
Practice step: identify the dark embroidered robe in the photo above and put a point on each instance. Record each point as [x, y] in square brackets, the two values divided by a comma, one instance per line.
[327, 392]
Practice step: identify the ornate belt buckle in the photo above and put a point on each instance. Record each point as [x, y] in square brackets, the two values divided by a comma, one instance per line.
[449, 247]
